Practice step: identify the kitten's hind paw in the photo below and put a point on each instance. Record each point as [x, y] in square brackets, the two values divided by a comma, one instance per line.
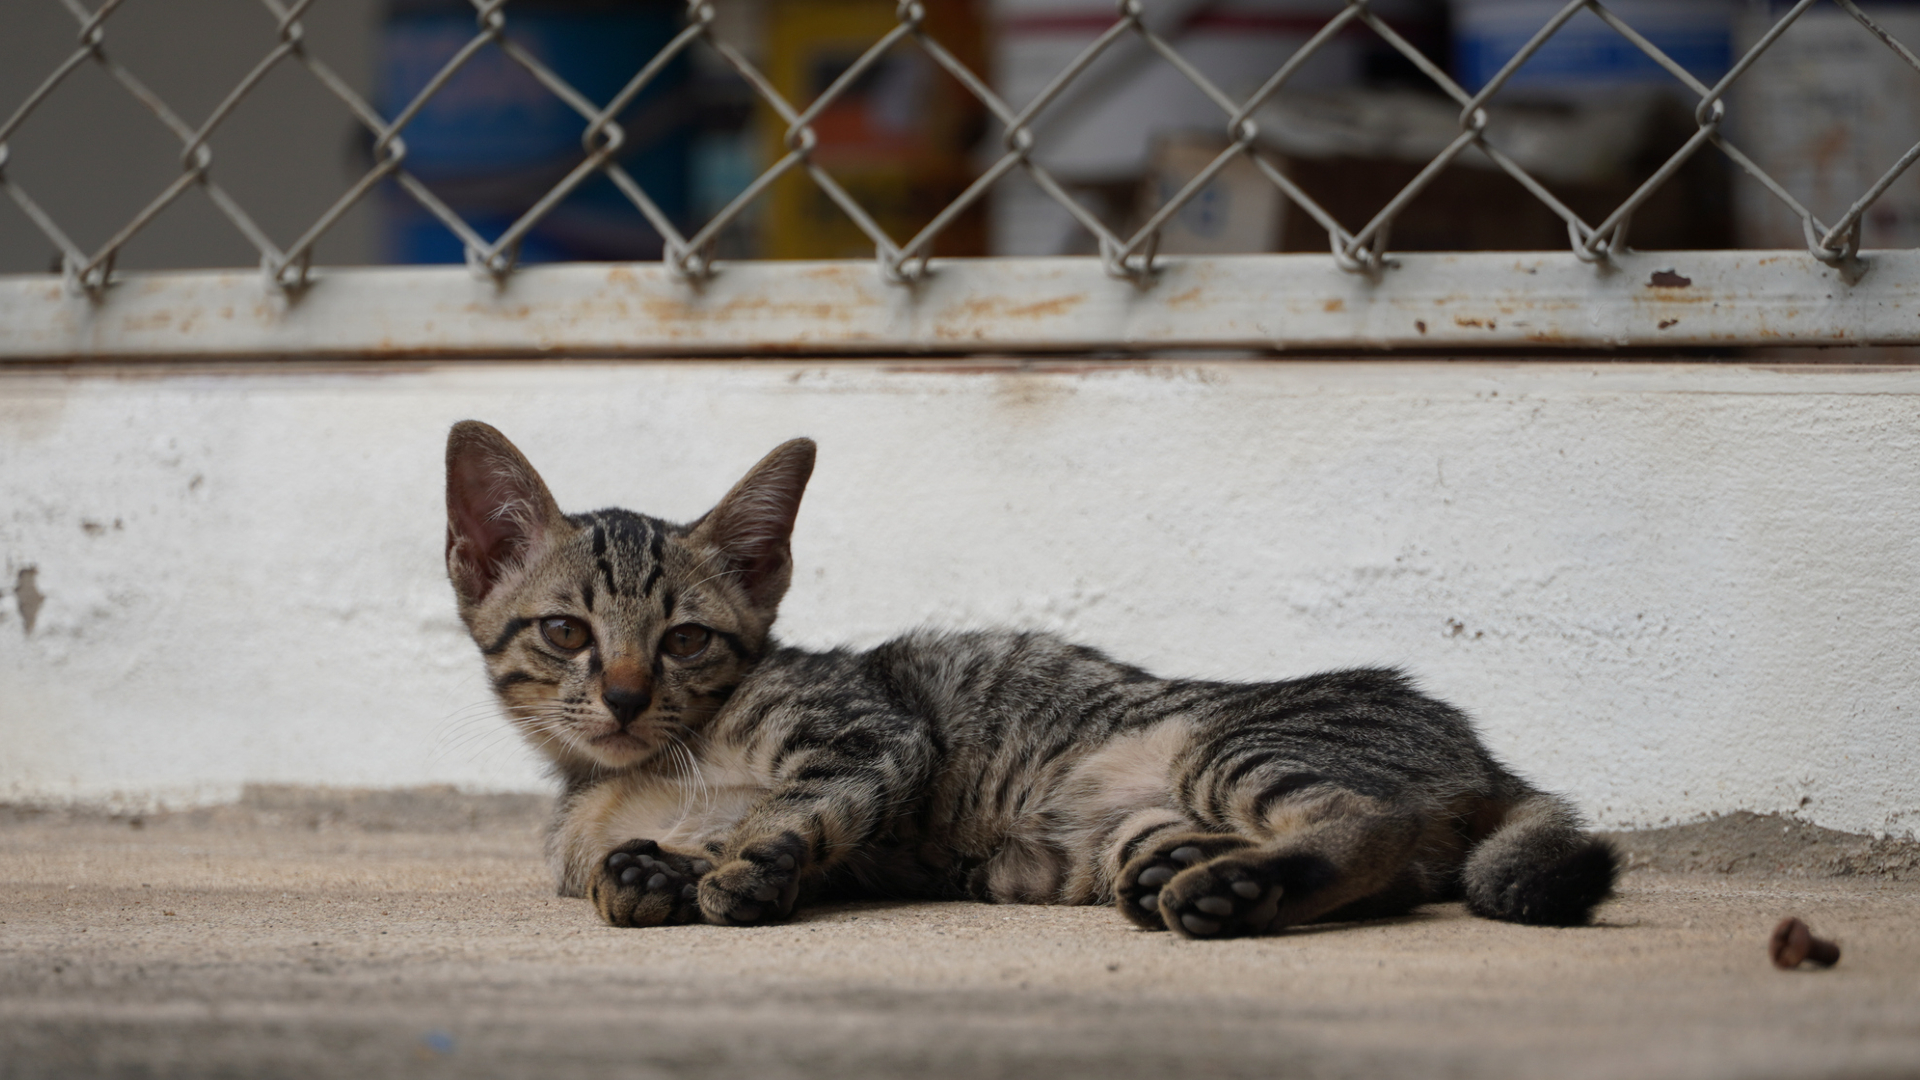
[1138, 893]
[640, 884]
[1231, 896]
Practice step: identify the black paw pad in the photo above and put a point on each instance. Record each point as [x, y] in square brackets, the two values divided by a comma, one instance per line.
[640, 884]
[1226, 905]
[1140, 890]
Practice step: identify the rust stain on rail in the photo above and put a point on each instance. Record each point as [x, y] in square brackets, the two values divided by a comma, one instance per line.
[515, 312]
[157, 320]
[1003, 309]
[671, 311]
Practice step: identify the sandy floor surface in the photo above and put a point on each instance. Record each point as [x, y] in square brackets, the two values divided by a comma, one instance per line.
[302, 944]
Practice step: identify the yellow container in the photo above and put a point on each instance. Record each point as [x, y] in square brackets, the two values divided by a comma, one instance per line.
[898, 141]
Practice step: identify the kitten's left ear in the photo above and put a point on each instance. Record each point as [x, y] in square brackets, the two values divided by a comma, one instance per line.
[753, 523]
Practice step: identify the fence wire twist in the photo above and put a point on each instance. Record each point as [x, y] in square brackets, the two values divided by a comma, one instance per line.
[1364, 251]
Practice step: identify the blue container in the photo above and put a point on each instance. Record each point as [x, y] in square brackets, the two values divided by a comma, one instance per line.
[1587, 55]
[494, 140]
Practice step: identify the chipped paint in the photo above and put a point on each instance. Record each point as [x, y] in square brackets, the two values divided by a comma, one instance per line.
[27, 597]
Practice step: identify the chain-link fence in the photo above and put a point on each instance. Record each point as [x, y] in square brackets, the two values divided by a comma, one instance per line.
[1247, 122]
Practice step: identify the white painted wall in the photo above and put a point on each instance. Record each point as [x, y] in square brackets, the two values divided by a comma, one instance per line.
[1667, 590]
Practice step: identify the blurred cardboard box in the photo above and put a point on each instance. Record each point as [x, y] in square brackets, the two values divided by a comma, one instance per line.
[1355, 151]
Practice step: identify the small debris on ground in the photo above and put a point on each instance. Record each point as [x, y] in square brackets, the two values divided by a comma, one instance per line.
[1793, 944]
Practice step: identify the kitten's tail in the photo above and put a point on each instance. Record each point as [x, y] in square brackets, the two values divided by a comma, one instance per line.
[1539, 867]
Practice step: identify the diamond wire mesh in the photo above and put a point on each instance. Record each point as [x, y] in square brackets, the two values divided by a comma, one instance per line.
[1364, 251]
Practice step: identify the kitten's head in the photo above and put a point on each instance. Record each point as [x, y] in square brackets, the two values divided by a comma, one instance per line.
[610, 635]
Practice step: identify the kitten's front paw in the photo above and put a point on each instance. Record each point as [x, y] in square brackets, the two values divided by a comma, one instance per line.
[640, 884]
[758, 886]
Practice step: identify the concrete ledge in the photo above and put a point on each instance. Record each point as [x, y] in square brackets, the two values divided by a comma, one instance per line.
[1739, 844]
[440, 808]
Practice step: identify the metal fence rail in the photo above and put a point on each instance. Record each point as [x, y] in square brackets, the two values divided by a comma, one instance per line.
[1025, 306]
[1836, 283]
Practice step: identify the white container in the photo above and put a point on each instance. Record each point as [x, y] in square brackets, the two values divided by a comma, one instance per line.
[1587, 56]
[1101, 130]
[1826, 112]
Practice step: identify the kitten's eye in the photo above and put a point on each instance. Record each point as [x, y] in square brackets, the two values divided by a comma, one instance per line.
[686, 641]
[565, 633]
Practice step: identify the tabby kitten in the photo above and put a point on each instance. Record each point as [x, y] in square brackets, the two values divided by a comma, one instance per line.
[712, 774]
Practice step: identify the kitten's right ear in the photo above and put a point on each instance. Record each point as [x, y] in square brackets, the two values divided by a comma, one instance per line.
[499, 512]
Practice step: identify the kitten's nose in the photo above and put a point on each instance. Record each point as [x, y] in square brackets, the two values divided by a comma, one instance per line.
[626, 704]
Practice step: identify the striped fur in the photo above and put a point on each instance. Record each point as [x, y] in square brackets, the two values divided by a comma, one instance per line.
[732, 783]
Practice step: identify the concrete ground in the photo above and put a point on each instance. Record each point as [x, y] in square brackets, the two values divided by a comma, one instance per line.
[417, 935]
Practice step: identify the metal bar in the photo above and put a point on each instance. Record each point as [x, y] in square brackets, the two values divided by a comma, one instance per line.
[1471, 302]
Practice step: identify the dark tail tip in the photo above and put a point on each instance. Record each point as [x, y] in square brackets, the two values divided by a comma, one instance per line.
[1561, 893]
